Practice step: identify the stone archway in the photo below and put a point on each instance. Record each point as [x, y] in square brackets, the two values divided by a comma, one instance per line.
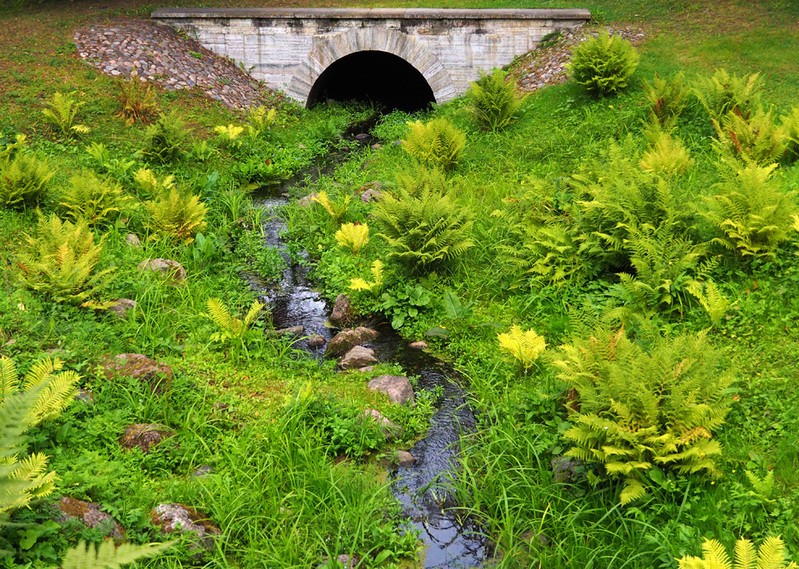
[328, 50]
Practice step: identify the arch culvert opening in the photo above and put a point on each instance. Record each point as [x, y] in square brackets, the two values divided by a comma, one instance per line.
[377, 77]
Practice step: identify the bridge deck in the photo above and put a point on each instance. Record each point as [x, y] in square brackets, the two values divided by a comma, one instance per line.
[375, 13]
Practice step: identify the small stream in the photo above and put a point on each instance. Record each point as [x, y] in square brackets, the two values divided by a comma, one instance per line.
[420, 488]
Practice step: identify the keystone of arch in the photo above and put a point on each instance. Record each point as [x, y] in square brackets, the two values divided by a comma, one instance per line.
[328, 50]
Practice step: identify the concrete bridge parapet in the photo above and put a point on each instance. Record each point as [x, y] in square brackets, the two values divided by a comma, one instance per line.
[289, 48]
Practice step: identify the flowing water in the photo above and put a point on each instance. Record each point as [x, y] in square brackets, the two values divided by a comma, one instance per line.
[421, 488]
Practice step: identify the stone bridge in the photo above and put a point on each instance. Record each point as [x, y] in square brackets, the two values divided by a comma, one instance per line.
[405, 58]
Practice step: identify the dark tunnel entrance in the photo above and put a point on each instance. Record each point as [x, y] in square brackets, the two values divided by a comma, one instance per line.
[378, 77]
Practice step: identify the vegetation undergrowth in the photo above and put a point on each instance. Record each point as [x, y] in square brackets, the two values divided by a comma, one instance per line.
[615, 277]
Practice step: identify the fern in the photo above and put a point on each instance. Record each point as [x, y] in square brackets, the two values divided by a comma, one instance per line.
[376, 282]
[437, 143]
[667, 99]
[755, 139]
[137, 102]
[118, 168]
[752, 213]
[666, 155]
[149, 185]
[724, 93]
[24, 179]
[604, 64]
[234, 332]
[526, 346]
[423, 232]
[61, 261]
[165, 139]
[790, 125]
[335, 209]
[771, 555]
[61, 111]
[353, 236]
[176, 215]
[645, 407]
[108, 556]
[494, 101]
[93, 200]
[260, 120]
[229, 135]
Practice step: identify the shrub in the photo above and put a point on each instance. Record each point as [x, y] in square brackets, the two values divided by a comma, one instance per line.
[353, 236]
[771, 555]
[751, 211]
[94, 200]
[164, 140]
[790, 124]
[756, 139]
[61, 259]
[604, 64]
[493, 100]
[177, 215]
[666, 155]
[724, 93]
[41, 395]
[137, 102]
[645, 407]
[437, 143]
[61, 111]
[24, 180]
[524, 345]
[667, 98]
[423, 232]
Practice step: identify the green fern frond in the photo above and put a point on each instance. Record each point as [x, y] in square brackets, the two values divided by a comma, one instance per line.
[8, 377]
[108, 556]
[633, 490]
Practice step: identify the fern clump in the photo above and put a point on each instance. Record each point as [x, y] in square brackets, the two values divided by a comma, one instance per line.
[92, 199]
[234, 333]
[667, 99]
[177, 215]
[645, 407]
[149, 186]
[109, 556]
[61, 259]
[750, 210]
[437, 143]
[137, 102]
[525, 346]
[425, 231]
[754, 139]
[494, 101]
[61, 111]
[165, 139]
[604, 64]
[790, 125]
[260, 120]
[724, 93]
[229, 135]
[24, 179]
[666, 155]
[770, 555]
[353, 236]
[42, 394]
[336, 209]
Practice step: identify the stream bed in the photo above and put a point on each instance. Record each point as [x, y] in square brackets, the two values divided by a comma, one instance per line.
[421, 488]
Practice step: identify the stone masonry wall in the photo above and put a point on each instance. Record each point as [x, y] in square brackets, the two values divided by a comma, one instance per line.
[289, 48]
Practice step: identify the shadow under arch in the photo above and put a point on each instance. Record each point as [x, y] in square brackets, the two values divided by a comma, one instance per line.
[328, 50]
[376, 77]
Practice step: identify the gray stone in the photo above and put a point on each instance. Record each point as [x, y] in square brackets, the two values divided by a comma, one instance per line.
[567, 469]
[172, 518]
[167, 267]
[144, 436]
[90, 515]
[397, 387]
[133, 240]
[404, 459]
[357, 357]
[291, 331]
[316, 341]
[390, 430]
[84, 396]
[121, 306]
[157, 375]
[345, 340]
[371, 195]
[341, 315]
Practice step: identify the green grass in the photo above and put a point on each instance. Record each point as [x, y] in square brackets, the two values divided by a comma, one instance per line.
[293, 480]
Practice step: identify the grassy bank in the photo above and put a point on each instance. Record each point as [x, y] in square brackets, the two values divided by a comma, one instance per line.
[562, 231]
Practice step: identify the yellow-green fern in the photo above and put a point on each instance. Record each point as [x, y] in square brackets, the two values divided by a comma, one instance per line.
[526, 346]
[176, 215]
[109, 556]
[233, 332]
[353, 236]
[770, 555]
[62, 110]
